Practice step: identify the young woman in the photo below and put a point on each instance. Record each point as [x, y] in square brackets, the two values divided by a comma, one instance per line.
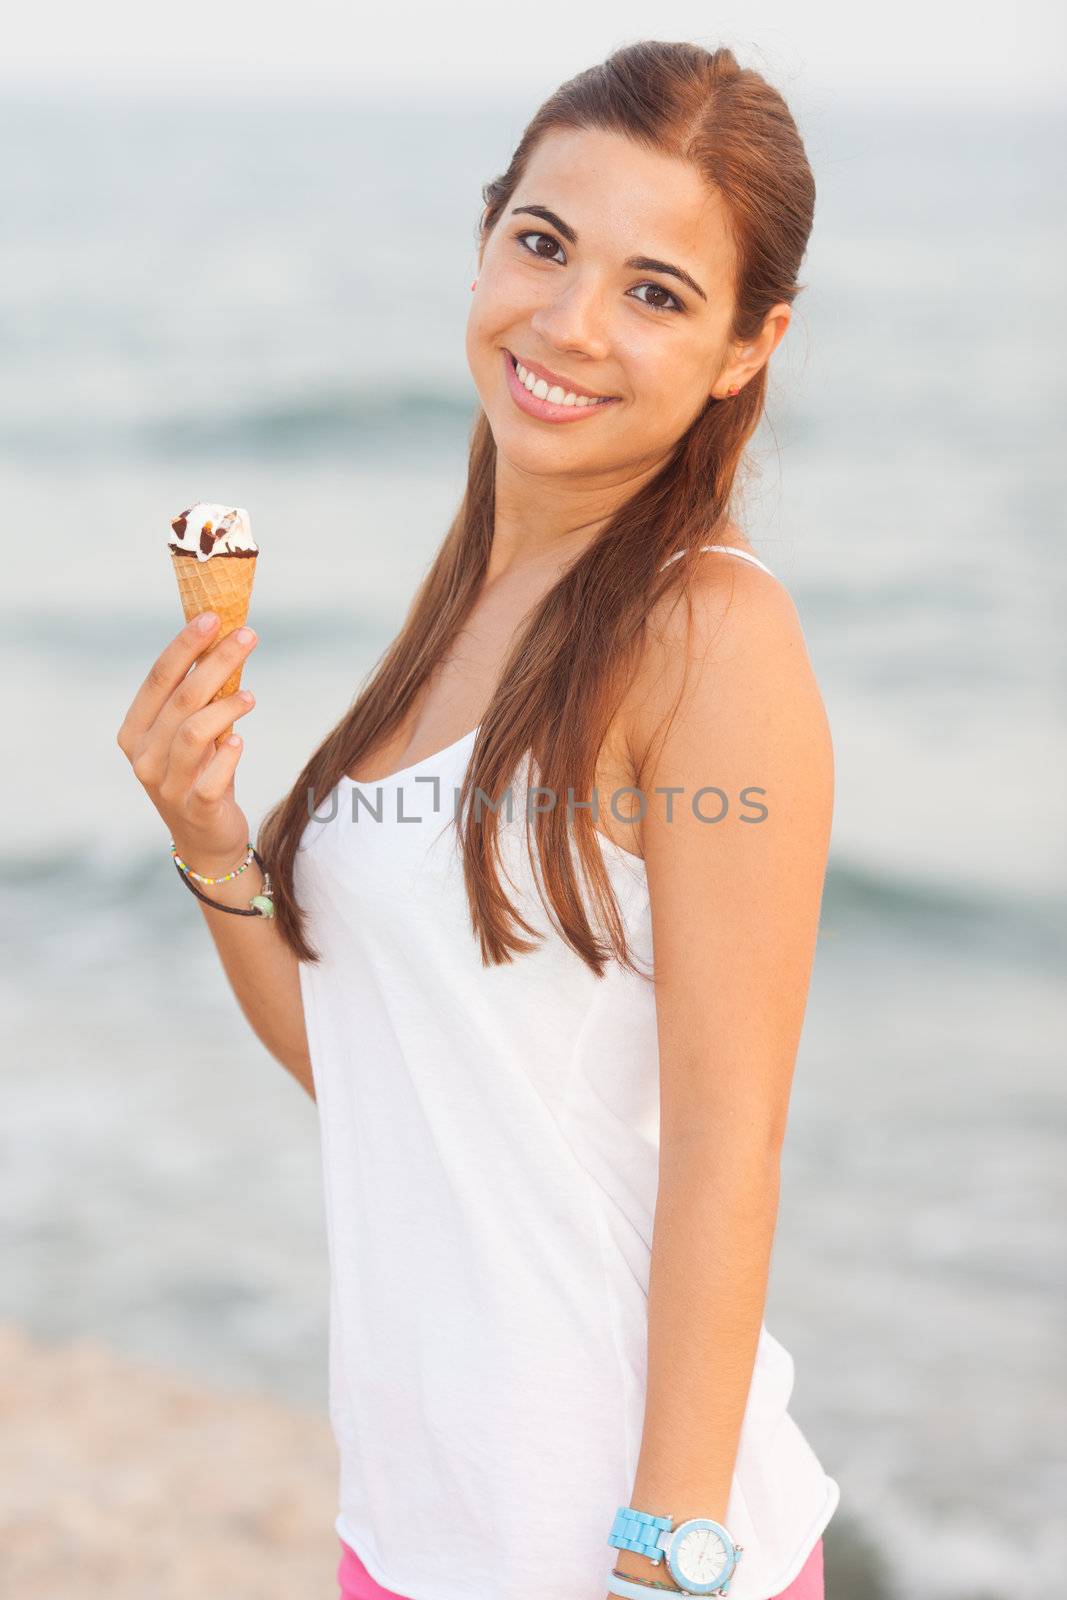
[545, 902]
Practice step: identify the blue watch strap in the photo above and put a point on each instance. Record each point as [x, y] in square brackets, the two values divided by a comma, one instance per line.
[638, 1530]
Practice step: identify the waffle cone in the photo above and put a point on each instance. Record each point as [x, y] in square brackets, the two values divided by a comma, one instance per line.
[222, 584]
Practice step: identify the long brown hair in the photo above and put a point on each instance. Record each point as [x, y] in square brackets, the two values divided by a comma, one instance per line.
[570, 663]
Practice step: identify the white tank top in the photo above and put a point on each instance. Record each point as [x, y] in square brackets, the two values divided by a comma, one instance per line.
[490, 1154]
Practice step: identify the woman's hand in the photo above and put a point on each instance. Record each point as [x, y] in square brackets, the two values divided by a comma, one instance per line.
[168, 735]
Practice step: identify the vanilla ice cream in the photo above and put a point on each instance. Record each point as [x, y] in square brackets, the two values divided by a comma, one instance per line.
[207, 530]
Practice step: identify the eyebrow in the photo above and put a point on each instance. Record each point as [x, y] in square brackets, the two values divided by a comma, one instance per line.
[640, 263]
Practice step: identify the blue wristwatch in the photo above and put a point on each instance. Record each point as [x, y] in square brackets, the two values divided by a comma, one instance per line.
[701, 1555]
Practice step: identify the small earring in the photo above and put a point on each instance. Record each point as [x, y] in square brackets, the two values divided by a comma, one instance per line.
[472, 285]
[735, 389]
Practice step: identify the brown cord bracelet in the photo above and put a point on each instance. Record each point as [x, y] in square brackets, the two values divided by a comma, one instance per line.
[261, 905]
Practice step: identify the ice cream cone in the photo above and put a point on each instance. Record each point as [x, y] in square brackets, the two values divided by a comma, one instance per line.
[222, 584]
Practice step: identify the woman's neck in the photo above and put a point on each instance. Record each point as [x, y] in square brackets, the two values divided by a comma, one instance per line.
[546, 522]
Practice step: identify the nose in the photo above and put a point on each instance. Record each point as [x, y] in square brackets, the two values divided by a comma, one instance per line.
[572, 319]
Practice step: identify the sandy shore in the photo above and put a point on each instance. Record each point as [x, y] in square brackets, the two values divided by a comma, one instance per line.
[126, 1481]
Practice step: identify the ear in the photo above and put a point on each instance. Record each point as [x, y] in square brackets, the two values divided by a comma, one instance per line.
[751, 357]
[746, 359]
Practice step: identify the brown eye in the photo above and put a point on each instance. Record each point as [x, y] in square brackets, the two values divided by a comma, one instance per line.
[654, 305]
[546, 255]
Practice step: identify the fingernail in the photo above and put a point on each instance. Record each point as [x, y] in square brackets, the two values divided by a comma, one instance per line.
[244, 635]
[206, 621]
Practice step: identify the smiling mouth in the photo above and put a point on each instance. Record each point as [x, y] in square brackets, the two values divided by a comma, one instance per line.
[555, 394]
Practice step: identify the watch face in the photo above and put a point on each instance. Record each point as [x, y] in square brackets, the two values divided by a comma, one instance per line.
[701, 1555]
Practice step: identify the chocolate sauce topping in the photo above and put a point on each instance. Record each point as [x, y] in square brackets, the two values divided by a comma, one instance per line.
[232, 555]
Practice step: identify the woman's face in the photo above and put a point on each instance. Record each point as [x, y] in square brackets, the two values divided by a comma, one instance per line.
[559, 293]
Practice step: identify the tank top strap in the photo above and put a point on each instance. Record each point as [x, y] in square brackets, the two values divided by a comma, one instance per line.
[727, 549]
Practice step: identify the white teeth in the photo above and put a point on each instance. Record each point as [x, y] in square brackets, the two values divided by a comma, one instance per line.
[555, 396]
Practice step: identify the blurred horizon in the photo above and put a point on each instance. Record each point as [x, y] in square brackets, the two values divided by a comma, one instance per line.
[912, 54]
[808, 103]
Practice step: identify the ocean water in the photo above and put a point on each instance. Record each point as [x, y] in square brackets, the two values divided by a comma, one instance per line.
[266, 303]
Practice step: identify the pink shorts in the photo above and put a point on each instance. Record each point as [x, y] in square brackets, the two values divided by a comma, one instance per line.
[357, 1583]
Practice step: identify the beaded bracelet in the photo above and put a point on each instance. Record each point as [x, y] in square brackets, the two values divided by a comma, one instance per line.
[236, 873]
[646, 1583]
[260, 905]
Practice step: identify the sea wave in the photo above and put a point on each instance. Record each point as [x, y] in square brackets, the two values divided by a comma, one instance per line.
[115, 634]
[861, 901]
[349, 423]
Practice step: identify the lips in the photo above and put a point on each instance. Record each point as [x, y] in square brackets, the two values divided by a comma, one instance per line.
[550, 411]
[555, 378]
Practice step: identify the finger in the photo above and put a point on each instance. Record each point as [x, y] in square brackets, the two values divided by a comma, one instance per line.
[195, 692]
[215, 781]
[193, 746]
[223, 656]
[163, 676]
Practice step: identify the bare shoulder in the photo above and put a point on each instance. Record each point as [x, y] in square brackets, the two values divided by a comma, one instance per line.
[728, 649]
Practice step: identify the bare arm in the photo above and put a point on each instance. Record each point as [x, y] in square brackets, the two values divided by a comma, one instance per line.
[168, 735]
[263, 971]
[735, 909]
